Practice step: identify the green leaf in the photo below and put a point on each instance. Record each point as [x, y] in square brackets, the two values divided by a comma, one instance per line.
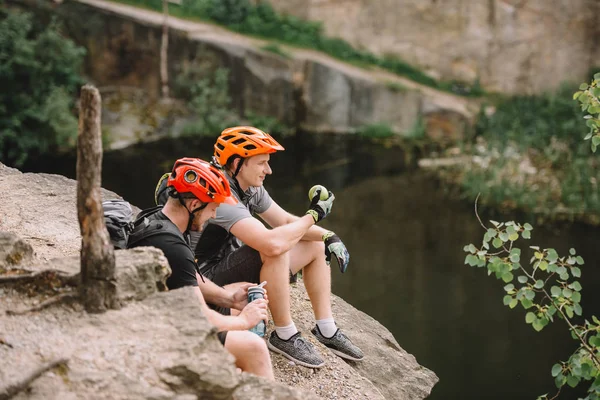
[513, 303]
[513, 237]
[472, 248]
[537, 325]
[507, 299]
[507, 277]
[572, 381]
[578, 310]
[556, 369]
[510, 229]
[576, 272]
[564, 276]
[492, 232]
[528, 227]
[576, 297]
[583, 86]
[509, 287]
[495, 223]
[503, 236]
[579, 260]
[530, 294]
[522, 279]
[569, 311]
[497, 243]
[552, 255]
[567, 292]
[576, 286]
[530, 317]
[577, 94]
[526, 234]
[539, 284]
[588, 136]
[556, 291]
[596, 140]
[515, 258]
[538, 255]
[572, 251]
[543, 265]
[526, 303]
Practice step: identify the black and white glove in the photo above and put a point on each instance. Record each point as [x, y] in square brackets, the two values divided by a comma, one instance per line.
[319, 209]
[334, 245]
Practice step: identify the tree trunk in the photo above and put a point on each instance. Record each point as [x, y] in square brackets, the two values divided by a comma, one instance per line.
[164, 47]
[98, 286]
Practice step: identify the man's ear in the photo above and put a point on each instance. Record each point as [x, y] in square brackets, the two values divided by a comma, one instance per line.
[235, 163]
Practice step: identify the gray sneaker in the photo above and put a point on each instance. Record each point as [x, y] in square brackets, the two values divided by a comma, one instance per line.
[297, 349]
[339, 344]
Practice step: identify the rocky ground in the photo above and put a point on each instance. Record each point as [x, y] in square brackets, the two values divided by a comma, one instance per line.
[124, 353]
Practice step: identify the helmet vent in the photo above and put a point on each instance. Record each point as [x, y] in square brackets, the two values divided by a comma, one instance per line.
[239, 141]
[220, 146]
[249, 147]
[202, 182]
[228, 137]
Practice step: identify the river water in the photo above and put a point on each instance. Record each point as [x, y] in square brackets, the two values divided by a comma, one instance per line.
[405, 235]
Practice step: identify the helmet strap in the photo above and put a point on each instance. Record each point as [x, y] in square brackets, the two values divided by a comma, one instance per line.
[191, 213]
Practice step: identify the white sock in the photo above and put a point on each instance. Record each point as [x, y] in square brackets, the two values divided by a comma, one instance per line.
[286, 332]
[327, 327]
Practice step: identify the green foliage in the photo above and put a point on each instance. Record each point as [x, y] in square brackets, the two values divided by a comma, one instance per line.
[377, 130]
[589, 97]
[208, 100]
[528, 157]
[261, 20]
[39, 77]
[547, 288]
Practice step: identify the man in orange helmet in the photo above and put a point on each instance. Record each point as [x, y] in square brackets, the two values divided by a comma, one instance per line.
[236, 247]
[196, 188]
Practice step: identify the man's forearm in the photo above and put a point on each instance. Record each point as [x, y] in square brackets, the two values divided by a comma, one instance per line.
[215, 294]
[314, 233]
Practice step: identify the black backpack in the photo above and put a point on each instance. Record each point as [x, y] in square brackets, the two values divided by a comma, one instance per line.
[125, 232]
[118, 217]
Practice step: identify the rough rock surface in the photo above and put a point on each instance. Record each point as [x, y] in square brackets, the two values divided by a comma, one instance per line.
[510, 46]
[309, 90]
[145, 350]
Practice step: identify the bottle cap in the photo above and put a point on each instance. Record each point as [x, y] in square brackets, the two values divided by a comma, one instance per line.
[256, 289]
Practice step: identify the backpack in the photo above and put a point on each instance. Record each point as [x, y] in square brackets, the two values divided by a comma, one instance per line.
[124, 231]
[118, 217]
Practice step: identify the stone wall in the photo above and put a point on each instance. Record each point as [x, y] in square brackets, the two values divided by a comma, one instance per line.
[510, 46]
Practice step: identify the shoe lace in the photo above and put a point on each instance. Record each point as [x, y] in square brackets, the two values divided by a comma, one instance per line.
[301, 343]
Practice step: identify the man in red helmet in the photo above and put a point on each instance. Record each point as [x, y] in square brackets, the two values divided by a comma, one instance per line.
[236, 247]
[196, 188]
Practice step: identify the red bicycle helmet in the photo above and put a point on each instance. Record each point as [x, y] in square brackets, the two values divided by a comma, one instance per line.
[198, 177]
[245, 141]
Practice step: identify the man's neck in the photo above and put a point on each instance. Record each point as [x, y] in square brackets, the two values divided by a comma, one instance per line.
[243, 186]
[178, 215]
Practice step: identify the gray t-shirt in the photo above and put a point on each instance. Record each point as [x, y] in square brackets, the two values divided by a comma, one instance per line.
[216, 241]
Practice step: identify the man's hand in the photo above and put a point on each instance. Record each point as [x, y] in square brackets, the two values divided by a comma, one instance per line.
[255, 312]
[334, 245]
[319, 209]
[239, 298]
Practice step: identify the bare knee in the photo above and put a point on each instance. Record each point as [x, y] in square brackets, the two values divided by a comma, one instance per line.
[250, 352]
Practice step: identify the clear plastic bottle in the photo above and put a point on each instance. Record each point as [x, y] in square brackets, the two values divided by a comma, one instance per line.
[254, 293]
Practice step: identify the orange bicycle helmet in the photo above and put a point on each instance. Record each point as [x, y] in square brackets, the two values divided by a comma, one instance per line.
[244, 141]
[198, 177]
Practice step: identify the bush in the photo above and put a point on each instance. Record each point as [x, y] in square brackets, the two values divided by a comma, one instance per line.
[39, 77]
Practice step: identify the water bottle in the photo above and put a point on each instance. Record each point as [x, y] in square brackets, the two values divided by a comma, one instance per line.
[254, 293]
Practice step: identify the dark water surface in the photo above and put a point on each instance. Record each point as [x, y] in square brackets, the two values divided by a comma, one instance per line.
[405, 237]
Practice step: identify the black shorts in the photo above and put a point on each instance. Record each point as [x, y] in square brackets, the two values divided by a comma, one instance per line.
[241, 265]
[225, 311]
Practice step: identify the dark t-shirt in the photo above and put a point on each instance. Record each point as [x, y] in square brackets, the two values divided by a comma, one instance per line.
[178, 253]
[217, 241]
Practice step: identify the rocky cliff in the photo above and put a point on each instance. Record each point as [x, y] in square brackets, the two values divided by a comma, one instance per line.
[511, 46]
[146, 350]
[307, 90]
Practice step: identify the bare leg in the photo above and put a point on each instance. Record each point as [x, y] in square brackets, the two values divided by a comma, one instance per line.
[275, 270]
[250, 352]
[310, 256]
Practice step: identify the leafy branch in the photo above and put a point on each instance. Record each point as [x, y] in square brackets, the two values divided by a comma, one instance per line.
[589, 97]
[547, 287]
